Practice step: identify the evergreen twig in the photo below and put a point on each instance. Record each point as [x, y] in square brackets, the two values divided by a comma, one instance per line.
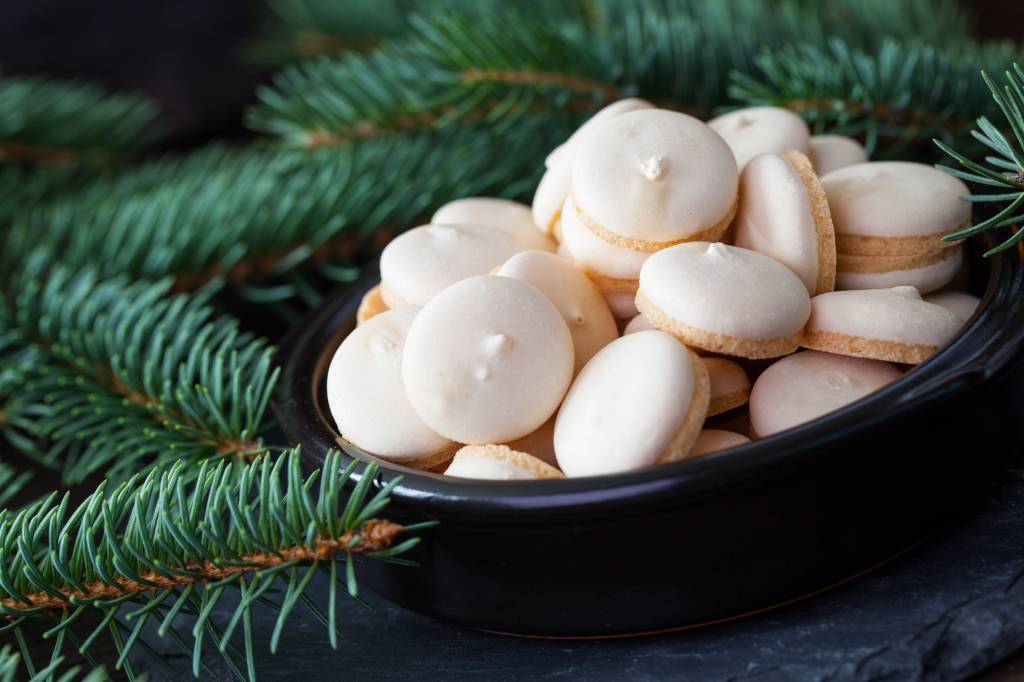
[175, 541]
[1003, 167]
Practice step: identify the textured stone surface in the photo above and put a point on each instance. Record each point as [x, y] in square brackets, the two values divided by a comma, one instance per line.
[945, 610]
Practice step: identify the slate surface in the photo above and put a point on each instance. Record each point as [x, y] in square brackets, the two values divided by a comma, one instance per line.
[945, 610]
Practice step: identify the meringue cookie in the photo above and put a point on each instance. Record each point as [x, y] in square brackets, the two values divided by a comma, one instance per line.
[564, 152]
[577, 299]
[809, 384]
[499, 463]
[762, 130]
[420, 263]
[487, 360]
[957, 302]
[372, 304]
[894, 208]
[895, 324]
[714, 440]
[925, 272]
[648, 179]
[729, 385]
[614, 268]
[638, 324]
[367, 398]
[540, 443]
[621, 303]
[640, 401]
[832, 152]
[500, 214]
[784, 214]
[724, 299]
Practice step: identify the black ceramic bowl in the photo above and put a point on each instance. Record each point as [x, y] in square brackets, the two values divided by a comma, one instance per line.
[696, 541]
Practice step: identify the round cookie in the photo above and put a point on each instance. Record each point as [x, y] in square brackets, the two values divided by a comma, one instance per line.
[367, 398]
[762, 130]
[809, 384]
[729, 385]
[487, 360]
[649, 179]
[925, 272]
[724, 299]
[612, 267]
[372, 304]
[638, 324]
[713, 440]
[540, 443]
[554, 186]
[832, 152]
[621, 303]
[784, 214]
[894, 208]
[500, 214]
[959, 303]
[640, 401]
[577, 299]
[418, 264]
[499, 463]
[895, 324]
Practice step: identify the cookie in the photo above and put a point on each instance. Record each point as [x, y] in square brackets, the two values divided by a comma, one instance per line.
[488, 360]
[577, 299]
[611, 267]
[648, 179]
[539, 443]
[895, 324]
[621, 303]
[499, 463]
[762, 130]
[714, 440]
[832, 152]
[729, 385]
[417, 265]
[500, 214]
[783, 213]
[724, 299]
[372, 304]
[809, 384]
[367, 398]
[640, 401]
[894, 208]
[957, 302]
[638, 324]
[926, 271]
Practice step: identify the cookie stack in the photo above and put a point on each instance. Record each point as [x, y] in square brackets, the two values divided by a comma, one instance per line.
[492, 347]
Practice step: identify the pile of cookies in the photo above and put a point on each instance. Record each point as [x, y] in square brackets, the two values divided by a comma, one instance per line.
[664, 264]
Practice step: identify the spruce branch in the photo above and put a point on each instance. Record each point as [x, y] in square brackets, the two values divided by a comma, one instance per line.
[1003, 167]
[892, 96]
[62, 123]
[564, 60]
[175, 541]
[106, 375]
[11, 663]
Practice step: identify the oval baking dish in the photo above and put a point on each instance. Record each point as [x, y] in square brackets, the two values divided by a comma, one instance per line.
[697, 541]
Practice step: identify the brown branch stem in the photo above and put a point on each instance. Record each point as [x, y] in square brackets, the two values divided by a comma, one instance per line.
[375, 535]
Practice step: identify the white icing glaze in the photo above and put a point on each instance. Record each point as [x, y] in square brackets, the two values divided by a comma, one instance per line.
[638, 324]
[725, 376]
[488, 468]
[761, 130]
[550, 195]
[898, 314]
[487, 360]
[621, 303]
[500, 214]
[809, 384]
[959, 303]
[577, 298]
[366, 396]
[566, 151]
[595, 253]
[614, 184]
[725, 289]
[832, 152]
[924, 279]
[713, 440]
[775, 217]
[418, 264]
[895, 199]
[625, 406]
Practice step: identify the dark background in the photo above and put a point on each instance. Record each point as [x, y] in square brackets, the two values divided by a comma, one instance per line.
[186, 53]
